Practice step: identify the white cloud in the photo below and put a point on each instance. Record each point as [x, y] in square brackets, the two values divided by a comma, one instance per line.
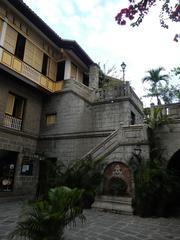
[87, 6]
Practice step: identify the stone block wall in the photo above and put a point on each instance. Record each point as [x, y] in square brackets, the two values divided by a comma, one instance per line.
[74, 114]
[69, 149]
[81, 124]
[94, 76]
[108, 116]
[24, 146]
[168, 139]
[23, 142]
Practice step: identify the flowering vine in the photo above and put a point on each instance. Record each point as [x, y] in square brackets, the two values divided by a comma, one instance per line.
[138, 9]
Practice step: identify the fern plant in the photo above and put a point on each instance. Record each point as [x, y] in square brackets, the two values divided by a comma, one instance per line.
[156, 118]
[46, 219]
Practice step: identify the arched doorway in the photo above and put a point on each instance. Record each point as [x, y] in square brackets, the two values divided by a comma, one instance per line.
[117, 180]
[174, 163]
[173, 168]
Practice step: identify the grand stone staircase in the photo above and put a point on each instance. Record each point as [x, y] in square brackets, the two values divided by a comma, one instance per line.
[124, 136]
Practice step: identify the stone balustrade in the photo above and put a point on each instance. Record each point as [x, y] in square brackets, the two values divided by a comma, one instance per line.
[171, 110]
[115, 92]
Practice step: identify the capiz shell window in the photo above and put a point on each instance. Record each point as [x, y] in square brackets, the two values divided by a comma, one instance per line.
[51, 118]
[73, 71]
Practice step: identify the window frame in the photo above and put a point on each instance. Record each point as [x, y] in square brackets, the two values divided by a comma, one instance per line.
[51, 115]
[60, 71]
[20, 46]
[133, 118]
[45, 64]
[16, 97]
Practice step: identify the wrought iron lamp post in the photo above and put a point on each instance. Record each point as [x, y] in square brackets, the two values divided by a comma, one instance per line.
[123, 66]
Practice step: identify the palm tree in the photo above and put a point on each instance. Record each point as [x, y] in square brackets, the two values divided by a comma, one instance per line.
[155, 78]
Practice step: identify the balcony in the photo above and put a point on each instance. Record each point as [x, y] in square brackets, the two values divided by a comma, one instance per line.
[20, 67]
[12, 122]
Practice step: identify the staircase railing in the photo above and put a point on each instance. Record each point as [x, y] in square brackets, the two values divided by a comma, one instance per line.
[103, 147]
[134, 134]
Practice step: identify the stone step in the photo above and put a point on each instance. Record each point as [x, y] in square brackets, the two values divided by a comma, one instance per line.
[120, 205]
[115, 199]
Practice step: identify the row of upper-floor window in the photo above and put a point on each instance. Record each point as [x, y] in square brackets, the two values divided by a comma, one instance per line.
[18, 45]
[26, 51]
[19, 24]
[44, 59]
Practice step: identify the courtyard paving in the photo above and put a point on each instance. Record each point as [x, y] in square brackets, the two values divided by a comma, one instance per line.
[101, 226]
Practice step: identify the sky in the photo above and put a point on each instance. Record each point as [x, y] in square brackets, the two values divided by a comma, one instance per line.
[92, 24]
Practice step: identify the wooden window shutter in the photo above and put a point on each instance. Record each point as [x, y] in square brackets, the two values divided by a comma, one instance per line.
[10, 104]
[33, 56]
[10, 39]
[73, 71]
[38, 59]
[29, 53]
[18, 107]
[52, 69]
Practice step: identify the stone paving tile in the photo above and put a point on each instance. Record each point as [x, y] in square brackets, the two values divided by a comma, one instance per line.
[101, 226]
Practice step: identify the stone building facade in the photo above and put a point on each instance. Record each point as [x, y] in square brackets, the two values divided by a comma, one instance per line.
[17, 148]
[51, 106]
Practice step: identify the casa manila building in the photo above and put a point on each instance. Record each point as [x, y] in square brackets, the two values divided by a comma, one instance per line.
[52, 106]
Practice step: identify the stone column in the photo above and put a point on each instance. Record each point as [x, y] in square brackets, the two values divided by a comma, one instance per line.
[2, 36]
[94, 76]
[67, 72]
[152, 107]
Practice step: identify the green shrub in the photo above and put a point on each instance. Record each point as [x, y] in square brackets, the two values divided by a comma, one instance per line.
[156, 190]
[83, 174]
[46, 219]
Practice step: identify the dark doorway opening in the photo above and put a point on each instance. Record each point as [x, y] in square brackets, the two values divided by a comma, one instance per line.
[60, 71]
[174, 163]
[174, 169]
[7, 170]
[47, 176]
[85, 79]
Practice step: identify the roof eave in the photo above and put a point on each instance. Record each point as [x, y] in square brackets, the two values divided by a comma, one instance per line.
[45, 29]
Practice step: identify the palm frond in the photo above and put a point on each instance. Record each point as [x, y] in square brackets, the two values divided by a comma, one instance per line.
[46, 219]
